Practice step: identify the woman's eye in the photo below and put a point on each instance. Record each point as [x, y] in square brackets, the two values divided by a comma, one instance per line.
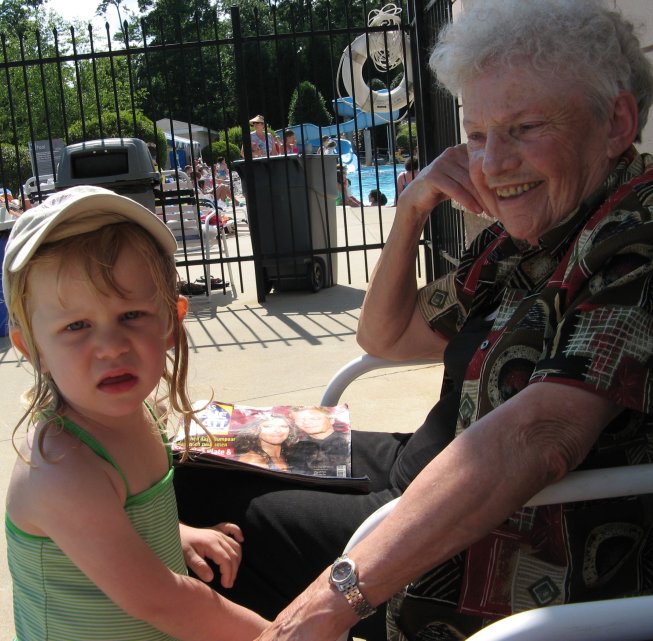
[528, 126]
[132, 315]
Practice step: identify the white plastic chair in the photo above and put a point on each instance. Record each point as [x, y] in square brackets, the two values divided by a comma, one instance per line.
[625, 619]
[357, 367]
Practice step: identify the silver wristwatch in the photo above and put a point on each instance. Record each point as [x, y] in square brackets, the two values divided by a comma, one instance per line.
[345, 579]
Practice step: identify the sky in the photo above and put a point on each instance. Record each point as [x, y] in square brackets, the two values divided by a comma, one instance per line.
[85, 11]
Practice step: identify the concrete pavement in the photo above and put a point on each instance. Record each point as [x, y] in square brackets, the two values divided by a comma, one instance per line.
[281, 352]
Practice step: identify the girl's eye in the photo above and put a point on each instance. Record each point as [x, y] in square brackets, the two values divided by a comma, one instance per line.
[132, 315]
[77, 325]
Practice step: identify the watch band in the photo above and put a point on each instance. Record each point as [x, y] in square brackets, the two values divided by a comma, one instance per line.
[358, 602]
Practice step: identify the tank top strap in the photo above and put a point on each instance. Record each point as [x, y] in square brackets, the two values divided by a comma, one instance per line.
[162, 430]
[95, 445]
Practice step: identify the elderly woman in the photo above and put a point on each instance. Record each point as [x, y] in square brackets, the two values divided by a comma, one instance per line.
[545, 329]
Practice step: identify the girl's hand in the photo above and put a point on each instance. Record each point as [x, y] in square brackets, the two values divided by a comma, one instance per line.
[220, 543]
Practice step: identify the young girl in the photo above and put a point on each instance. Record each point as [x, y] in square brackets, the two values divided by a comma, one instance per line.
[94, 544]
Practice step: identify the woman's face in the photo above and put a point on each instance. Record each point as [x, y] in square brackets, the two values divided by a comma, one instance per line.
[274, 431]
[535, 148]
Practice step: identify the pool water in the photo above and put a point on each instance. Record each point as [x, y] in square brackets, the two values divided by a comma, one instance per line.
[387, 181]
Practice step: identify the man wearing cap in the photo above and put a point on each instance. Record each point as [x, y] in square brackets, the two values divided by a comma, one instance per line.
[262, 143]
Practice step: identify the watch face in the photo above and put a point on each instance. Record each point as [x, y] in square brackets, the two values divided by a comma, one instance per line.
[341, 571]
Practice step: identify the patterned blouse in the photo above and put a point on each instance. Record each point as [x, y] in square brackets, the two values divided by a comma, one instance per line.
[577, 310]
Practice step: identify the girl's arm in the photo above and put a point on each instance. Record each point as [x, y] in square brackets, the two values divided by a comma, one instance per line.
[76, 502]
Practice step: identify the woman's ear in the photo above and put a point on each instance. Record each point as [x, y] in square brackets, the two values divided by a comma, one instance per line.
[624, 120]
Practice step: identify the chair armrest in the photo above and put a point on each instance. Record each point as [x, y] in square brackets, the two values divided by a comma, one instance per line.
[610, 620]
[357, 367]
[587, 485]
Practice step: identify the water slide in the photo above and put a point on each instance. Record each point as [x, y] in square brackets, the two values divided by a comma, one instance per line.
[358, 121]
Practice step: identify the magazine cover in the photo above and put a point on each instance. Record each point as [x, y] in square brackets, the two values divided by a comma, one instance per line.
[313, 442]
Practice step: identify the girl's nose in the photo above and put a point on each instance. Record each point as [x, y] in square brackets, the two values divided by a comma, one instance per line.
[111, 343]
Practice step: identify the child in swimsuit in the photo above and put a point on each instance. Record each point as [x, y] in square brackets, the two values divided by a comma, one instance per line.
[94, 544]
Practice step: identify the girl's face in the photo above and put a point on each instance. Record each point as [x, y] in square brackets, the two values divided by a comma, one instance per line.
[274, 431]
[105, 353]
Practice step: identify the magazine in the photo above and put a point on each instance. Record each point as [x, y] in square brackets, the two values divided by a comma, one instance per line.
[309, 444]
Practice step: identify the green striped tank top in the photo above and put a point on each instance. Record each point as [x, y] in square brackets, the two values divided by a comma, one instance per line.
[54, 600]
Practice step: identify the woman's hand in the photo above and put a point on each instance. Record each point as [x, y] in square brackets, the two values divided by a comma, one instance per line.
[447, 177]
[220, 543]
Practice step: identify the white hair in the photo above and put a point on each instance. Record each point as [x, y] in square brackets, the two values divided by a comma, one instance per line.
[582, 40]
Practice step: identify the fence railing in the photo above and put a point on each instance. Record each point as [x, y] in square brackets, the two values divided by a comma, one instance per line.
[188, 87]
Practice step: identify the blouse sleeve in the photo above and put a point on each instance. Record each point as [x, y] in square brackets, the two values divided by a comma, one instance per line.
[601, 314]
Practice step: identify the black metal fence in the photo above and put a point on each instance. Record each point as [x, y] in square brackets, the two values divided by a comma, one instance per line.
[188, 87]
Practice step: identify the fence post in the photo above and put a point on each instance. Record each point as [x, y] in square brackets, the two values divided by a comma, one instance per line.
[243, 109]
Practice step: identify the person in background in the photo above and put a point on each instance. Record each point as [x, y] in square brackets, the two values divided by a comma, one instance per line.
[221, 170]
[290, 142]
[328, 147]
[263, 143]
[344, 196]
[545, 328]
[94, 543]
[377, 198]
[411, 169]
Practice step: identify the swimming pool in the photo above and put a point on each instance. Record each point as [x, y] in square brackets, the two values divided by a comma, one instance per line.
[387, 181]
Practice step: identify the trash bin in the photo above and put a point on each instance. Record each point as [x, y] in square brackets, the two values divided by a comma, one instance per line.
[296, 218]
[123, 165]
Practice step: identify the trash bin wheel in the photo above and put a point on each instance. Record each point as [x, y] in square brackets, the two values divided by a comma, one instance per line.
[316, 275]
[268, 283]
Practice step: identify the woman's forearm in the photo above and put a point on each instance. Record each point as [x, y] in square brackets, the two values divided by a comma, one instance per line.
[387, 315]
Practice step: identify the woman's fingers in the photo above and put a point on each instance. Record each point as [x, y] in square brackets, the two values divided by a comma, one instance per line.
[447, 177]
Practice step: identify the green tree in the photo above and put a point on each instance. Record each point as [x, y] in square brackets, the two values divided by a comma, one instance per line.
[406, 136]
[19, 15]
[218, 148]
[308, 105]
[15, 166]
[103, 9]
[38, 101]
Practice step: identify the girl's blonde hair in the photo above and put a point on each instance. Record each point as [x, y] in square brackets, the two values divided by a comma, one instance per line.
[96, 253]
